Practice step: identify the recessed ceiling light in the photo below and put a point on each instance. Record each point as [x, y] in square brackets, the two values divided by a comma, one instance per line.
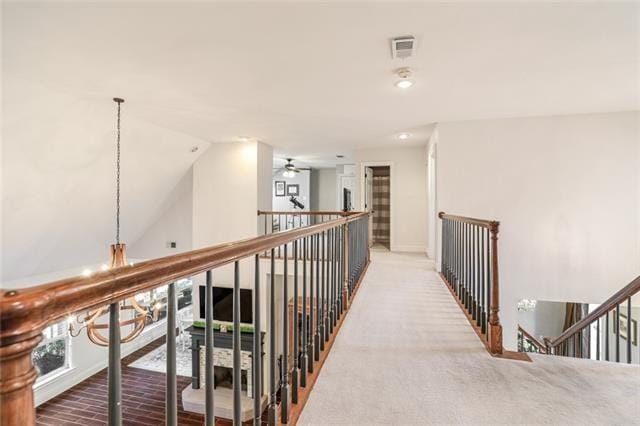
[339, 156]
[403, 136]
[244, 138]
[404, 84]
[405, 78]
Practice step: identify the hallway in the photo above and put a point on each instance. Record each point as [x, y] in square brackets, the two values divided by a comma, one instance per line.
[407, 355]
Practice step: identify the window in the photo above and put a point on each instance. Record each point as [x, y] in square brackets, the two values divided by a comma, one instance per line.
[52, 355]
[156, 299]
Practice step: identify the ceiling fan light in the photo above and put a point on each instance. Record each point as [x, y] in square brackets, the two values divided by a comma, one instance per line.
[404, 83]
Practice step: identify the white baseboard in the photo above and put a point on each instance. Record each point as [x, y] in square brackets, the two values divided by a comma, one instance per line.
[409, 248]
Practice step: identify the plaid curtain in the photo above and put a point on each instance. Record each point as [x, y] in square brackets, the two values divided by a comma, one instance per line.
[381, 208]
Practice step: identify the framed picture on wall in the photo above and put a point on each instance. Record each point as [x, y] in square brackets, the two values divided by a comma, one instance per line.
[626, 329]
[293, 190]
[280, 188]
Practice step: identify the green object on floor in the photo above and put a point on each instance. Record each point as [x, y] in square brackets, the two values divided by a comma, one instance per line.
[216, 327]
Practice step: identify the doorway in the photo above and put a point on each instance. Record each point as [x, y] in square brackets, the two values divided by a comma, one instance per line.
[378, 200]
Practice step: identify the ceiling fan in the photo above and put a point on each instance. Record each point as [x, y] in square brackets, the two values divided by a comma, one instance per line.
[290, 169]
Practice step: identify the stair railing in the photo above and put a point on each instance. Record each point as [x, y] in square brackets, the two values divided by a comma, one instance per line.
[611, 322]
[275, 221]
[469, 267]
[332, 257]
[528, 343]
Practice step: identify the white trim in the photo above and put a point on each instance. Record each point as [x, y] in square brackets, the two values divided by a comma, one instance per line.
[409, 249]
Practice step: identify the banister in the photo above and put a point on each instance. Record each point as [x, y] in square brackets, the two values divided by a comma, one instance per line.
[629, 290]
[24, 313]
[464, 273]
[45, 303]
[489, 224]
[537, 343]
[306, 213]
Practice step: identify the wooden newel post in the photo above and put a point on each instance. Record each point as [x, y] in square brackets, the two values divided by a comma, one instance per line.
[495, 328]
[17, 376]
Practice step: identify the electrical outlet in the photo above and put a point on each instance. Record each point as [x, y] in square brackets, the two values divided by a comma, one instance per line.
[171, 244]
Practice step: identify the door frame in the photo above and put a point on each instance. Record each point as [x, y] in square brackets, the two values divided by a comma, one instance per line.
[362, 189]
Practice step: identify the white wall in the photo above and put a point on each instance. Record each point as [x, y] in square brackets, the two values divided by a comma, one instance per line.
[302, 179]
[432, 203]
[173, 225]
[565, 190]
[231, 182]
[58, 173]
[546, 320]
[408, 189]
[323, 189]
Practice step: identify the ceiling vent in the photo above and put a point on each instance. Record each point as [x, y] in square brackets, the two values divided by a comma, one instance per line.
[403, 47]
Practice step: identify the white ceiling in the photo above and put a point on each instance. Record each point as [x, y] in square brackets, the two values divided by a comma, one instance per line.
[317, 78]
[313, 80]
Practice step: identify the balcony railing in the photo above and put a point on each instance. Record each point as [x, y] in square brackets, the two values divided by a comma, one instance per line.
[609, 333]
[470, 269]
[328, 260]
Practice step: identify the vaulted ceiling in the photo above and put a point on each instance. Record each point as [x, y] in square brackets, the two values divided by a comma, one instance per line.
[311, 79]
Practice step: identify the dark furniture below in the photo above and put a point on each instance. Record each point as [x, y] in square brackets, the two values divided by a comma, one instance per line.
[220, 340]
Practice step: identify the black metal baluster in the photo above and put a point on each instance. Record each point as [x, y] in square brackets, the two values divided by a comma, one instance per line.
[487, 251]
[606, 337]
[208, 351]
[284, 388]
[478, 279]
[598, 339]
[237, 361]
[257, 348]
[630, 330]
[312, 307]
[325, 287]
[465, 266]
[171, 400]
[472, 262]
[317, 339]
[617, 324]
[336, 275]
[456, 250]
[589, 341]
[304, 339]
[483, 283]
[114, 372]
[330, 275]
[469, 270]
[272, 343]
[321, 300]
[463, 273]
[296, 338]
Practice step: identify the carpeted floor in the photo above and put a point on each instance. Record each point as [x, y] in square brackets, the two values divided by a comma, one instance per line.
[406, 355]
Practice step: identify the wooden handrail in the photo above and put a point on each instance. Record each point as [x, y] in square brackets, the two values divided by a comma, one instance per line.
[490, 224]
[629, 290]
[307, 213]
[25, 312]
[535, 342]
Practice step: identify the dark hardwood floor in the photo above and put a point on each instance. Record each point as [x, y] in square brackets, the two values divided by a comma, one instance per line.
[143, 394]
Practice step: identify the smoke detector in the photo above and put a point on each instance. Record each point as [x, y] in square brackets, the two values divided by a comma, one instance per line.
[403, 47]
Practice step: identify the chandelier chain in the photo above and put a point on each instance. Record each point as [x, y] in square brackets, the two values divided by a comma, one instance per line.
[118, 180]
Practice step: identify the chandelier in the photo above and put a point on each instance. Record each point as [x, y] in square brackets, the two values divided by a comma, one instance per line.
[118, 258]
